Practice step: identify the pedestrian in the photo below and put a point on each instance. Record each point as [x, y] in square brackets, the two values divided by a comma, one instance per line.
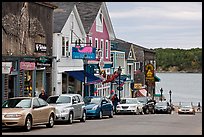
[115, 101]
[198, 109]
[43, 95]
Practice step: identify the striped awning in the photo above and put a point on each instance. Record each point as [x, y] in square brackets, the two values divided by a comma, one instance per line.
[142, 93]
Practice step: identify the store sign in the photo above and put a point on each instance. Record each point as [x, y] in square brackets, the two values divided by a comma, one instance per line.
[27, 65]
[6, 67]
[137, 85]
[43, 62]
[39, 47]
[80, 52]
[149, 72]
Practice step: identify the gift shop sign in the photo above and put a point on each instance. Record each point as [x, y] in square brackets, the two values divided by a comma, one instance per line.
[6, 67]
[27, 65]
[39, 47]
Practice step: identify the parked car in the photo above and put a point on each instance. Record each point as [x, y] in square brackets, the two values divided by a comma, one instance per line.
[163, 107]
[26, 112]
[68, 107]
[186, 108]
[148, 104]
[97, 106]
[129, 105]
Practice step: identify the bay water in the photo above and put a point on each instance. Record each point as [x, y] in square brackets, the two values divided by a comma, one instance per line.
[185, 87]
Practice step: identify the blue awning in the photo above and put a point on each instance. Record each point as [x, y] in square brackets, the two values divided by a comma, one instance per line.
[79, 75]
[157, 79]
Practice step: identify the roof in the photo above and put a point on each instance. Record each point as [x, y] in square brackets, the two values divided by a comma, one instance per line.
[122, 45]
[88, 12]
[61, 14]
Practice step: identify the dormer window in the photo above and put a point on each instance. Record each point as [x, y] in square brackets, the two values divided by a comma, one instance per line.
[130, 54]
[99, 22]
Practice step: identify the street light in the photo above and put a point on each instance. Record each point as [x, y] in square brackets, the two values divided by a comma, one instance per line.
[119, 72]
[170, 96]
[85, 61]
[161, 90]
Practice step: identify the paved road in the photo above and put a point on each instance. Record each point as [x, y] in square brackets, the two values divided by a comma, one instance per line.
[153, 124]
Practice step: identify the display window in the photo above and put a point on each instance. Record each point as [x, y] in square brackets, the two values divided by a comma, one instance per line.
[28, 83]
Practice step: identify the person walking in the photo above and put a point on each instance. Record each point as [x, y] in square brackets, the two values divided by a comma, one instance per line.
[198, 109]
[115, 101]
[43, 95]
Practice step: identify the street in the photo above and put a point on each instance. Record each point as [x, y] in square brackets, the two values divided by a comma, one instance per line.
[152, 124]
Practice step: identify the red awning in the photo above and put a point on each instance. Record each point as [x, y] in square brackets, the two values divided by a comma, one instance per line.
[142, 93]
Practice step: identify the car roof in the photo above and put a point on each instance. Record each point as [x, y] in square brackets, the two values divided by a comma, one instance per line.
[22, 97]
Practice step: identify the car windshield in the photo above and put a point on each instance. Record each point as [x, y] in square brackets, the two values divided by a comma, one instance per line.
[59, 100]
[142, 99]
[161, 104]
[17, 103]
[129, 101]
[186, 105]
[52, 100]
[89, 100]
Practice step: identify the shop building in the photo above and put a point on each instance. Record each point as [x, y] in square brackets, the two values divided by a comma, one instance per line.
[26, 48]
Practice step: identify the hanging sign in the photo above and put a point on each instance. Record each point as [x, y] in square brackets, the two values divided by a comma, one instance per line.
[79, 52]
[6, 67]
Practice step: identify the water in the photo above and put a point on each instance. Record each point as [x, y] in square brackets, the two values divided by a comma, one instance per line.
[185, 87]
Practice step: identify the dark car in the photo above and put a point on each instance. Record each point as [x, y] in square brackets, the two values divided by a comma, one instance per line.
[97, 106]
[163, 107]
[148, 104]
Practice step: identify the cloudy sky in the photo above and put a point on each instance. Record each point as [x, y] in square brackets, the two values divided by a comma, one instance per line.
[158, 24]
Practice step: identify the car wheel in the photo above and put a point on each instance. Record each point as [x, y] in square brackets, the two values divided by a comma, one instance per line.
[70, 119]
[83, 119]
[51, 121]
[137, 111]
[100, 115]
[147, 111]
[111, 114]
[28, 123]
[153, 111]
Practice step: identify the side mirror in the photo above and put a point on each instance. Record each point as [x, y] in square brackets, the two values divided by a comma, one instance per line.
[34, 106]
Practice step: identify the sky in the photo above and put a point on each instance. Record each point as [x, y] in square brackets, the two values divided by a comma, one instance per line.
[158, 24]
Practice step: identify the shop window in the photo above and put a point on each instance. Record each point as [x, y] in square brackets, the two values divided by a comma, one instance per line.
[28, 83]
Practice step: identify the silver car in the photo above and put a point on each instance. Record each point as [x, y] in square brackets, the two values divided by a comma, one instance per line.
[68, 107]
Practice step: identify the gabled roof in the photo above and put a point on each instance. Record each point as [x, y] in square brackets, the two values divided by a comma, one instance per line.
[61, 14]
[88, 12]
[122, 45]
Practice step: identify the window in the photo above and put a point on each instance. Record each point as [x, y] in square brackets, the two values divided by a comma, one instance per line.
[112, 57]
[65, 47]
[102, 49]
[99, 22]
[137, 65]
[130, 54]
[107, 53]
[96, 43]
[90, 41]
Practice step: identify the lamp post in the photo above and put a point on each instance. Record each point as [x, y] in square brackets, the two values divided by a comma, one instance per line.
[119, 72]
[161, 90]
[170, 96]
[85, 61]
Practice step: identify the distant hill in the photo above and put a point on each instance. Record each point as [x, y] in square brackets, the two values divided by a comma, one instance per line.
[179, 60]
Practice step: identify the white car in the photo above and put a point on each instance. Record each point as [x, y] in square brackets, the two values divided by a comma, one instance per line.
[68, 107]
[129, 105]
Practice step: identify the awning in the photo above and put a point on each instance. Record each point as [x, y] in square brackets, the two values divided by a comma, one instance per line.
[79, 75]
[142, 93]
[157, 79]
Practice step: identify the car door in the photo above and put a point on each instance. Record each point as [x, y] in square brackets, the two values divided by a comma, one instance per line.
[76, 107]
[45, 110]
[104, 106]
[36, 112]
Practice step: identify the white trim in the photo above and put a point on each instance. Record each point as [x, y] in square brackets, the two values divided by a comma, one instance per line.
[106, 49]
